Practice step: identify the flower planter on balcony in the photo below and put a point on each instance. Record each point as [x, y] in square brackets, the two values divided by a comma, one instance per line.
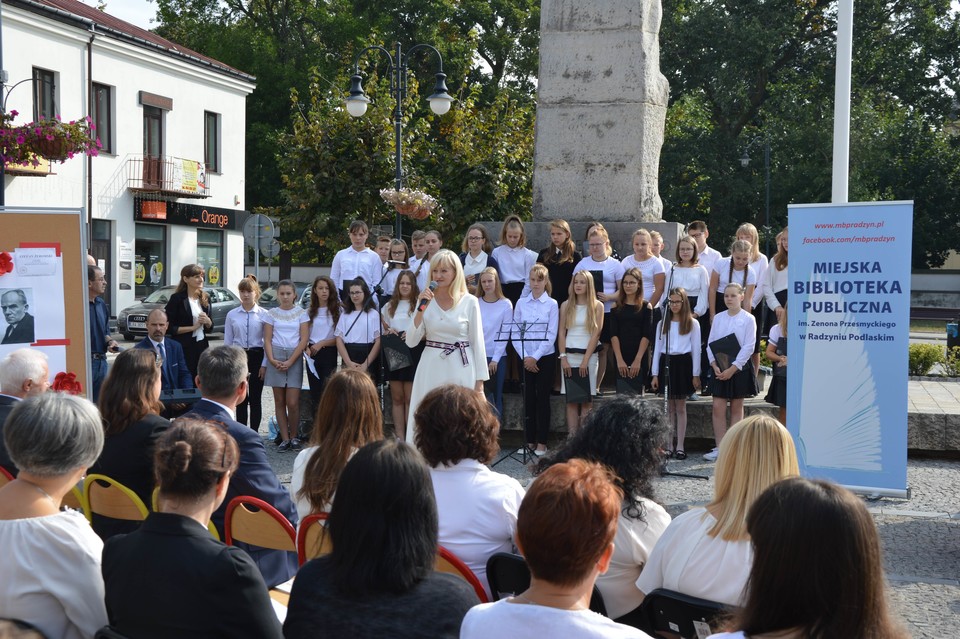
[55, 150]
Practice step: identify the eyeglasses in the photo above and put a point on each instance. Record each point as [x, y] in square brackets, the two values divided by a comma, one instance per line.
[676, 301]
[475, 238]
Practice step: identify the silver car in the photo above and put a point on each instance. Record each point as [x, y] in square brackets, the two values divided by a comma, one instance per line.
[132, 321]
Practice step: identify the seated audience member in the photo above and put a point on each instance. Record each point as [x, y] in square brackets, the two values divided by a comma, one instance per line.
[23, 373]
[130, 407]
[208, 589]
[565, 532]
[174, 373]
[627, 436]
[817, 567]
[222, 380]
[379, 580]
[340, 429]
[51, 567]
[457, 435]
[706, 552]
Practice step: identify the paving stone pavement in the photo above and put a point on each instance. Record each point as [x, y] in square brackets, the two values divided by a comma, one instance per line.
[920, 535]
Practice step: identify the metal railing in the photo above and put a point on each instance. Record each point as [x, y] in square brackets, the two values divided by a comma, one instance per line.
[168, 174]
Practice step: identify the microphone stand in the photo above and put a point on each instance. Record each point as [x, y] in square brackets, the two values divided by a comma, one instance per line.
[665, 324]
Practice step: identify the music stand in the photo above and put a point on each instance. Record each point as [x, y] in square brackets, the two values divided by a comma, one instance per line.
[526, 332]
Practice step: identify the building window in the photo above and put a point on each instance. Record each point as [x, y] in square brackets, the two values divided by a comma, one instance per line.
[210, 254]
[44, 94]
[103, 115]
[149, 251]
[211, 141]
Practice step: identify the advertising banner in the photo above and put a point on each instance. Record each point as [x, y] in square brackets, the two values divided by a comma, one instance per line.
[849, 332]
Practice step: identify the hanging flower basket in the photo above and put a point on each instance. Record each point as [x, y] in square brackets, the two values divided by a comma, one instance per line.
[415, 204]
[55, 150]
[52, 139]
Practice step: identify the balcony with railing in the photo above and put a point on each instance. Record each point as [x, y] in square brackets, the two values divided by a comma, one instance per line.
[168, 175]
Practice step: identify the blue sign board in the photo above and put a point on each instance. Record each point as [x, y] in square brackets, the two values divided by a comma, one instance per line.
[848, 335]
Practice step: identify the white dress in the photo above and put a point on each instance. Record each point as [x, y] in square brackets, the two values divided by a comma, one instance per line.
[51, 575]
[579, 337]
[460, 324]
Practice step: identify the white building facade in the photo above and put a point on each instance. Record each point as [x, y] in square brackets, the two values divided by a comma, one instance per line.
[167, 189]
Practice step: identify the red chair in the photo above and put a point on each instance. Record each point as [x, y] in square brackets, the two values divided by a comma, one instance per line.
[450, 563]
[255, 522]
[313, 539]
[5, 476]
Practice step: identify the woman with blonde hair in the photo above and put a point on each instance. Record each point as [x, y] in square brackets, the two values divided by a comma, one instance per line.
[449, 318]
[758, 262]
[244, 328]
[706, 552]
[775, 282]
[495, 311]
[340, 429]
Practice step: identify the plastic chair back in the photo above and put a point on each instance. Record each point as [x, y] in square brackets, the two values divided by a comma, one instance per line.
[5, 477]
[255, 522]
[674, 613]
[509, 575]
[74, 500]
[312, 538]
[450, 563]
[109, 498]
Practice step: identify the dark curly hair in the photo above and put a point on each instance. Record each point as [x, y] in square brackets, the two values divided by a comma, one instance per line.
[626, 435]
[455, 423]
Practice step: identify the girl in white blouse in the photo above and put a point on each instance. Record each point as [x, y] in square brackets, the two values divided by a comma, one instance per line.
[495, 310]
[514, 258]
[678, 337]
[758, 262]
[733, 377]
[581, 319]
[244, 328]
[321, 349]
[775, 282]
[537, 315]
[649, 265]
[286, 329]
[397, 315]
[398, 261]
[735, 268]
[358, 331]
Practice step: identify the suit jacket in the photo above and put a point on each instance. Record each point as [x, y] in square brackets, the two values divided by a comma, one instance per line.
[6, 405]
[171, 578]
[23, 333]
[128, 458]
[175, 373]
[179, 314]
[254, 477]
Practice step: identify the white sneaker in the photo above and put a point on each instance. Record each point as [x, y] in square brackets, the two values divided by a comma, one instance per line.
[712, 455]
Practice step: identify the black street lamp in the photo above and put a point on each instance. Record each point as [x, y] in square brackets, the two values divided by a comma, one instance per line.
[440, 100]
[744, 162]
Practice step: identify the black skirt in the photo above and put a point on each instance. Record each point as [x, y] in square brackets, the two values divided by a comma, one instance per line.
[777, 393]
[681, 375]
[758, 314]
[742, 384]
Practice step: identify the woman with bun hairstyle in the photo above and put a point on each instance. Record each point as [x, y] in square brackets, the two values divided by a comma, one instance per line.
[171, 578]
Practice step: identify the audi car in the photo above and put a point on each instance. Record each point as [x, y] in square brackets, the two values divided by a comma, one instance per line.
[132, 321]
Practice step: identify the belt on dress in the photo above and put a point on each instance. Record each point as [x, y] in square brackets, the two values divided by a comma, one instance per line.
[448, 348]
[580, 351]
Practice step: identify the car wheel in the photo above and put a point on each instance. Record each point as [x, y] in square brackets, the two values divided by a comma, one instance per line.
[128, 337]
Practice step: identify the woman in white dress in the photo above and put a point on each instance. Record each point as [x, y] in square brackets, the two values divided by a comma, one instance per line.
[454, 352]
[705, 552]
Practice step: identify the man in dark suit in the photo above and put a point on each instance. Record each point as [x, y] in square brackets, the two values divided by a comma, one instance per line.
[222, 380]
[23, 373]
[19, 321]
[174, 373]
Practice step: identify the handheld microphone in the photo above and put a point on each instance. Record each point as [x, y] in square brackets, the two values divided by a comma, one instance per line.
[423, 303]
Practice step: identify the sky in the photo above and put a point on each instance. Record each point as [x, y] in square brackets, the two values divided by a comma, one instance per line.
[138, 12]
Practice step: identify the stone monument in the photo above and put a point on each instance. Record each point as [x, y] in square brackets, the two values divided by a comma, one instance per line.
[601, 109]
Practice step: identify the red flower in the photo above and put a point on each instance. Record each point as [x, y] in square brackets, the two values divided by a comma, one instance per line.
[6, 263]
[67, 383]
